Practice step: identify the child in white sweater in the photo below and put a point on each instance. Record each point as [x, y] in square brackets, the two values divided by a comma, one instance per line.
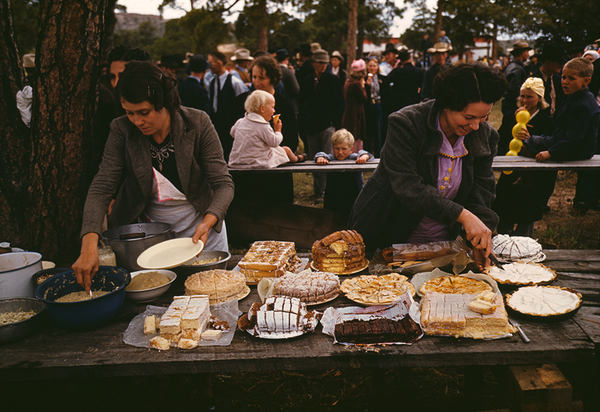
[255, 143]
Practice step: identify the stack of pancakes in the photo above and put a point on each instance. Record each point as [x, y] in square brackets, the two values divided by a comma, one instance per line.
[340, 252]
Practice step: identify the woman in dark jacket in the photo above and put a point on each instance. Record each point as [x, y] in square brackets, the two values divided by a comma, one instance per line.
[435, 175]
[356, 97]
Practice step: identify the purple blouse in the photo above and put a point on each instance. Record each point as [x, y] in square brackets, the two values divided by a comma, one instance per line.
[448, 182]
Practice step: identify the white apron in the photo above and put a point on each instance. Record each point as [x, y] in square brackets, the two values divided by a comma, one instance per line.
[169, 205]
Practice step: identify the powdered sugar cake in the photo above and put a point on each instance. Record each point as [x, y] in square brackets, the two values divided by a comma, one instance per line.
[268, 259]
[311, 288]
[448, 314]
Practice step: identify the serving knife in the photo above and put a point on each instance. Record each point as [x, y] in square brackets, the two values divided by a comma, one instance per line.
[495, 261]
[517, 325]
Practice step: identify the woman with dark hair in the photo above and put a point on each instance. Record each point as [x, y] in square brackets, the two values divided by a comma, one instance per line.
[162, 163]
[435, 175]
[267, 187]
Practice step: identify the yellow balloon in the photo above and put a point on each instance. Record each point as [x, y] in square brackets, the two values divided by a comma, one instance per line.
[517, 129]
[515, 145]
[523, 117]
[512, 153]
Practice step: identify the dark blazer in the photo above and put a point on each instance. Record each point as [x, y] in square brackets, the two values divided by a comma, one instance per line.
[576, 121]
[193, 94]
[202, 170]
[594, 85]
[515, 74]
[427, 87]
[406, 82]
[560, 94]
[402, 190]
[291, 88]
[321, 103]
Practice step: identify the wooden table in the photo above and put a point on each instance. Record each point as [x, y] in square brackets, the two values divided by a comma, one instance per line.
[56, 353]
[500, 163]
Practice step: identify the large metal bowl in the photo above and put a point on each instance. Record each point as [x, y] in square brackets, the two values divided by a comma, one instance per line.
[189, 268]
[86, 314]
[129, 241]
[19, 330]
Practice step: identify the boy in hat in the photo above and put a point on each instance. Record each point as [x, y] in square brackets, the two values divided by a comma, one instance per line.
[336, 66]
[515, 74]
[552, 59]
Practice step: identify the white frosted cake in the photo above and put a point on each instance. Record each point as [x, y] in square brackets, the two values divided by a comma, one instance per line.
[516, 248]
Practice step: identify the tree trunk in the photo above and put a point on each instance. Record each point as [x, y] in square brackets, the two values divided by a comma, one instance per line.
[495, 42]
[41, 198]
[438, 21]
[263, 42]
[352, 23]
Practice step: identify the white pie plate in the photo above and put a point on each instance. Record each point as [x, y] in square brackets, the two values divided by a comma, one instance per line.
[170, 253]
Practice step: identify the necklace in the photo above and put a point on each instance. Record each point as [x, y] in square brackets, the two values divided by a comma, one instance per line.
[162, 153]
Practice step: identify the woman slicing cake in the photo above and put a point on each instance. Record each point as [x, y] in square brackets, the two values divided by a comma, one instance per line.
[435, 174]
[170, 162]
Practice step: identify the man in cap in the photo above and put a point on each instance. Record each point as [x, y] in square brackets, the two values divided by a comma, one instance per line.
[439, 52]
[191, 91]
[242, 60]
[322, 106]
[173, 64]
[223, 90]
[291, 88]
[552, 58]
[515, 74]
[390, 55]
[405, 82]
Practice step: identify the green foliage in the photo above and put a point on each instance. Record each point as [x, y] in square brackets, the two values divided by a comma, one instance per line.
[143, 37]
[25, 16]
[199, 31]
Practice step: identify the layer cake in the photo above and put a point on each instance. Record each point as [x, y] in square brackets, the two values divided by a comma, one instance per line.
[269, 259]
[340, 252]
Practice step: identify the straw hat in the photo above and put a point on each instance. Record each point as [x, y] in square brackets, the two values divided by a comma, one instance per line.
[438, 48]
[519, 46]
[337, 54]
[29, 61]
[241, 55]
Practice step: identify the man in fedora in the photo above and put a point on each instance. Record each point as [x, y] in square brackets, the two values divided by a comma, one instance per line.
[552, 59]
[321, 105]
[515, 74]
[242, 60]
[305, 67]
[439, 52]
[291, 88]
[390, 55]
[191, 91]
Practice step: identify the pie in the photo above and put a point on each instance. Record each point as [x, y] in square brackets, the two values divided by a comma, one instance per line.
[377, 290]
[454, 284]
[521, 273]
[544, 301]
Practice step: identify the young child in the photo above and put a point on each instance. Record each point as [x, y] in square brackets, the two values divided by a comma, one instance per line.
[576, 118]
[342, 188]
[255, 144]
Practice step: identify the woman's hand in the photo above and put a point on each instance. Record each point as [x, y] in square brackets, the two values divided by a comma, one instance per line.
[86, 266]
[479, 235]
[201, 232]
[541, 156]
[481, 259]
[362, 159]
[369, 80]
[322, 161]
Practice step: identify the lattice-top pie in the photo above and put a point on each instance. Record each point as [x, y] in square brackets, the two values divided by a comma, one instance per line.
[374, 290]
[454, 284]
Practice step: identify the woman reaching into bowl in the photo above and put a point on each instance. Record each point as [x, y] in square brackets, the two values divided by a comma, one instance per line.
[162, 163]
[435, 175]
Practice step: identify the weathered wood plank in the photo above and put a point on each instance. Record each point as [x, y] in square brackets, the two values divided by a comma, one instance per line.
[500, 163]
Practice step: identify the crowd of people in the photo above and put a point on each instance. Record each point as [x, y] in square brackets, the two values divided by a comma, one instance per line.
[187, 119]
